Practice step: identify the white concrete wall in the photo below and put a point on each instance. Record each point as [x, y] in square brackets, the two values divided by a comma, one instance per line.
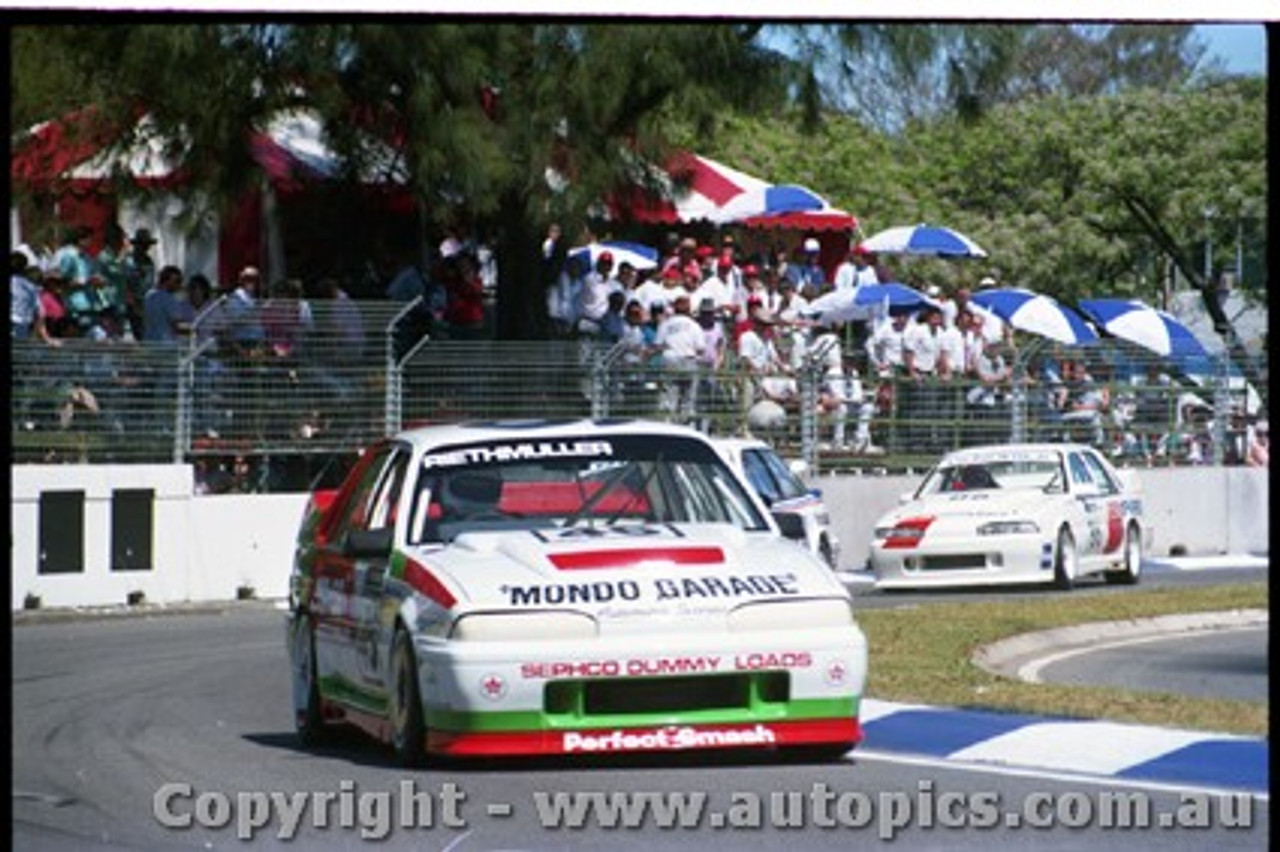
[205, 547]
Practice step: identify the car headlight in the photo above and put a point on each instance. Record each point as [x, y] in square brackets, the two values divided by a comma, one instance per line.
[791, 615]
[523, 626]
[1008, 528]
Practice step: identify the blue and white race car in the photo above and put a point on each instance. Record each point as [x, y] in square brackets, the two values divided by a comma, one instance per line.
[564, 588]
[797, 508]
[1022, 513]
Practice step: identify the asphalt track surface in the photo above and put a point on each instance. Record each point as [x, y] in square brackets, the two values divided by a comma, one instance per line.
[107, 712]
[1214, 664]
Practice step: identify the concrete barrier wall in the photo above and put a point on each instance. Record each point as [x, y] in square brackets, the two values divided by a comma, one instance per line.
[206, 547]
[203, 547]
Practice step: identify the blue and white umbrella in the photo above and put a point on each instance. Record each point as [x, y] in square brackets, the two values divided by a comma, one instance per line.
[928, 240]
[1036, 313]
[638, 255]
[866, 302]
[769, 200]
[891, 294]
[1144, 325]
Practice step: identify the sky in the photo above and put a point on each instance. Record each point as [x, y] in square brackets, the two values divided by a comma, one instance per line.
[1242, 46]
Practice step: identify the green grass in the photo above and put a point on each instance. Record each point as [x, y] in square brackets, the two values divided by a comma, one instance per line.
[923, 654]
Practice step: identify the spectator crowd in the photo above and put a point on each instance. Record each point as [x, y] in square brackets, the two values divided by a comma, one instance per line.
[895, 378]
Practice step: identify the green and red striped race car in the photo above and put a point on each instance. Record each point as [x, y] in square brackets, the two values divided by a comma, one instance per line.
[572, 587]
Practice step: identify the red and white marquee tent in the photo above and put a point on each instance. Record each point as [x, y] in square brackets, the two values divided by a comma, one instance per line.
[74, 161]
[693, 188]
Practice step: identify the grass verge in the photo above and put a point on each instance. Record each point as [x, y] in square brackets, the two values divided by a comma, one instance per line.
[922, 654]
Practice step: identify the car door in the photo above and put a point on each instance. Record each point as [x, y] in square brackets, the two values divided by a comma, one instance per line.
[1111, 494]
[373, 620]
[337, 592]
[1088, 504]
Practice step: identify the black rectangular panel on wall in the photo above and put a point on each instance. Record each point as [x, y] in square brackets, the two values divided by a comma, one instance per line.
[61, 532]
[132, 514]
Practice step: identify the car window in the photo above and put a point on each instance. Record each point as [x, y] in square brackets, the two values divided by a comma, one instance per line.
[1081, 476]
[757, 471]
[355, 511]
[1105, 481]
[788, 484]
[386, 498]
[574, 484]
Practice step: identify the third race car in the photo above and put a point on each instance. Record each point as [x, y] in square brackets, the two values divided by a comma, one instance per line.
[1021, 513]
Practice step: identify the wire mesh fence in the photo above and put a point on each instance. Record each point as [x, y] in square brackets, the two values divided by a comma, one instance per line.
[294, 386]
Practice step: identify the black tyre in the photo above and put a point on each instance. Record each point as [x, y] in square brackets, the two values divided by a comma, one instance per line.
[408, 730]
[1066, 560]
[1132, 570]
[308, 712]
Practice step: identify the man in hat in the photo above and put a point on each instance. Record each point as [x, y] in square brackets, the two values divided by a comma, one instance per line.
[682, 341]
[856, 270]
[139, 278]
[596, 288]
[717, 288]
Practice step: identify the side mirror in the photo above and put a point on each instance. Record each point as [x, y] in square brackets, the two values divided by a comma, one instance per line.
[904, 499]
[790, 525]
[798, 466]
[368, 544]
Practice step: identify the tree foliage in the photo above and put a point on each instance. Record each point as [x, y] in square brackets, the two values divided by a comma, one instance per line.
[1082, 157]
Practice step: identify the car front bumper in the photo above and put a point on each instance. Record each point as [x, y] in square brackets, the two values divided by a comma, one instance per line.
[629, 693]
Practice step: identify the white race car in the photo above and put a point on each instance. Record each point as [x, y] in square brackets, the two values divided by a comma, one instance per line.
[564, 588]
[798, 509]
[1022, 513]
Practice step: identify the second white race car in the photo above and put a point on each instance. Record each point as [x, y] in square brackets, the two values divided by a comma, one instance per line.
[1029, 513]
[797, 508]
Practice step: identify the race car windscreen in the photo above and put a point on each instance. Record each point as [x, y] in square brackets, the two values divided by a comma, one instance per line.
[575, 481]
[1042, 473]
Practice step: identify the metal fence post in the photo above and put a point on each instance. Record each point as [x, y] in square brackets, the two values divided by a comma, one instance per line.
[1221, 408]
[394, 395]
[182, 408]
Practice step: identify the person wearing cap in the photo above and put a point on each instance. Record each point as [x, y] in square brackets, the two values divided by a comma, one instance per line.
[717, 288]
[681, 340]
[729, 249]
[594, 297]
[807, 274]
[758, 354]
[857, 269]
[140, 277]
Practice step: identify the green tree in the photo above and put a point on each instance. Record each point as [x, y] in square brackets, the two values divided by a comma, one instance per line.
[510, 126]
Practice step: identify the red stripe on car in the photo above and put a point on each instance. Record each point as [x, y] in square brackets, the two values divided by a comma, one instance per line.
[630, 557]
[784, 733]
[419, 578]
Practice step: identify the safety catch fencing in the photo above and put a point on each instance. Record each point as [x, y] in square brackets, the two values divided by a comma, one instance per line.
[336, 375]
